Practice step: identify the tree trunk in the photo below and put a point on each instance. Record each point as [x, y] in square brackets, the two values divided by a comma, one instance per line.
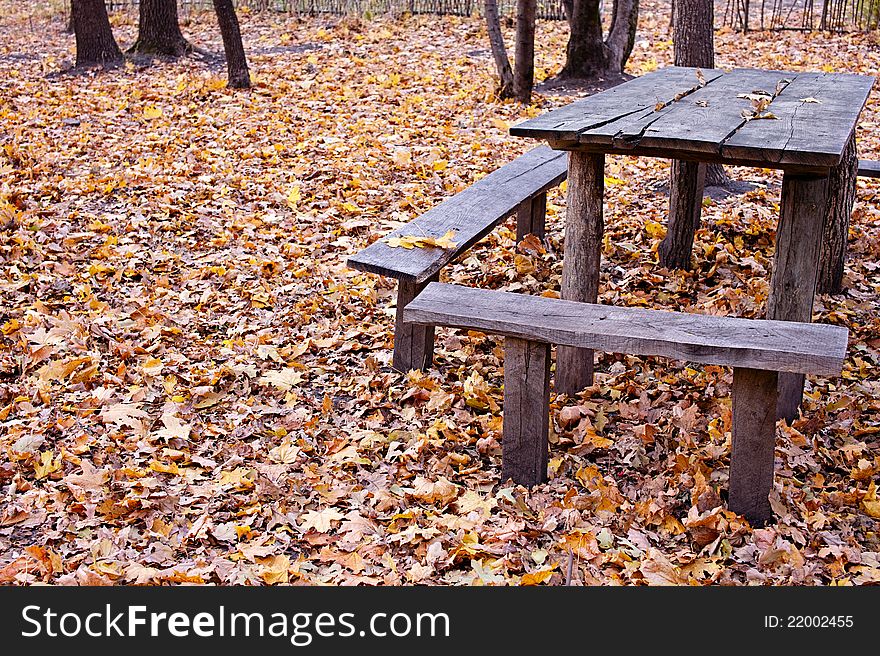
[499, 52]
[622, 34]
[524, 55]
[236, 62]
[587, 54]
[838, 209]
[693, 35]
[95, 45]
[694, 45]
[159, 30]
[687, 180]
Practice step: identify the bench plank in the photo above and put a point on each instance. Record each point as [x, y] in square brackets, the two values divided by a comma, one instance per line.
[747, 343]
[869, 169]
[472, 214]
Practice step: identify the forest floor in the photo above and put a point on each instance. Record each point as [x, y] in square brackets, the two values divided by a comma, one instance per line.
[194, 387]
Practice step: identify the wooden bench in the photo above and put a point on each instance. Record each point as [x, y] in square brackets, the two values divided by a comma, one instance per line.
[520, 186]
[869, 169]
[756, 349]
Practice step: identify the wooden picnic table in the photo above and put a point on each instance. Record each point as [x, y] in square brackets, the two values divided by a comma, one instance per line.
[797, 122]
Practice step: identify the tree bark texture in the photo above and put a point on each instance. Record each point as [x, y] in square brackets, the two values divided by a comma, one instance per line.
[95, 45]
[687, 180]
[841, 198]
[588, 54]
[236, 61]
[499, 52]
[159, 30]
[524, 55]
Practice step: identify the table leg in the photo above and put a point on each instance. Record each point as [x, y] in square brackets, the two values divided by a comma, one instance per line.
[686, 183]
[583, 251]
[795, 268]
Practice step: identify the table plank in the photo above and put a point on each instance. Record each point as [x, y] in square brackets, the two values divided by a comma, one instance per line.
[698, 122]
[706, 124]
[636, 96]
[805, 132]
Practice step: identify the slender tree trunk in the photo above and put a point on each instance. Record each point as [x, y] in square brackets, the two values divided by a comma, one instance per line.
[622, 34]
[159, 30]
[588, 55]
[95, 45]
[838, 209]
[236, 62]
[499, 52]
[524, 56]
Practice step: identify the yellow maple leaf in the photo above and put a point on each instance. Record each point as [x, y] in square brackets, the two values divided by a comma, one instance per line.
[293, 197]
[151, 112]
[162, 468]
[870, 502]
[656, 230]
[274, 568]
[47, 464]
[538, 577]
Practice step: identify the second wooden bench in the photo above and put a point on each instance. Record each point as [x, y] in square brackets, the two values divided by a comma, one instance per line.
[517, 187]
[756, 349]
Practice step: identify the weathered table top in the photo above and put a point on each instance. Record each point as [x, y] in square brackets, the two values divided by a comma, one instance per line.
[772, 119]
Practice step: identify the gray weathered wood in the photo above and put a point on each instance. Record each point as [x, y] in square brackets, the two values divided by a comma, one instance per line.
[686, 183]
[698, 122]
[707, 125]
[584, 227]
[869, 169]
[731, 341]
[753, 442]
[526, 424]
[413, 344]
[531, 217]
[806, 132]
[796, 268]
[631, 98]
[471, 214]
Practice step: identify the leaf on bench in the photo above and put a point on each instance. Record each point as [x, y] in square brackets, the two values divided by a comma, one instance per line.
[416, 241]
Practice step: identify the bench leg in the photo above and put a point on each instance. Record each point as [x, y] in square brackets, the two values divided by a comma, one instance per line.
[530, 217]
[413, 345]
[795, 268]
[584, 229]
[686, 184]
[526, 425]
[754, 439]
